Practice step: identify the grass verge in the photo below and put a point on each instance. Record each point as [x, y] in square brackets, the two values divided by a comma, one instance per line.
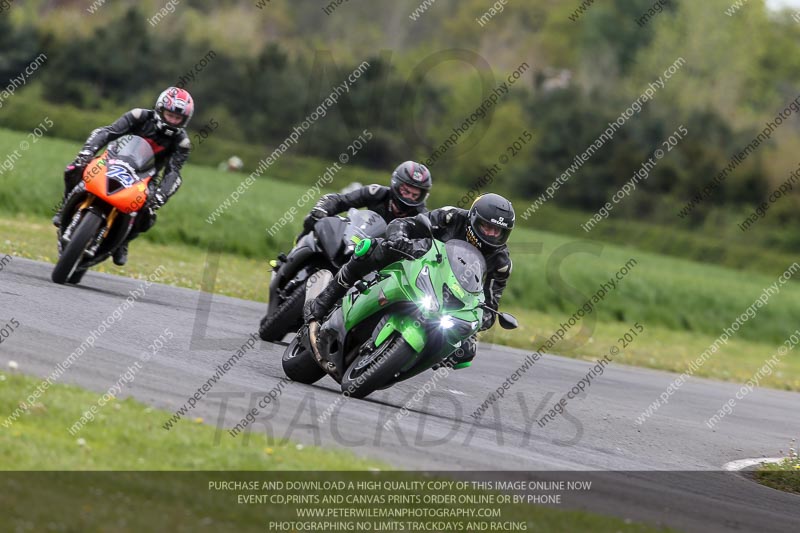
[783, 476]
[127, 435]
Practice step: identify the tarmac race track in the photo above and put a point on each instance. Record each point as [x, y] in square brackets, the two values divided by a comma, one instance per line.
[665, 471]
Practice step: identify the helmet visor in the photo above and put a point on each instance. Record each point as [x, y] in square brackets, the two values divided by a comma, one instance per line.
[173, 119]
[407, 194]
[410, 193]
[492, 233]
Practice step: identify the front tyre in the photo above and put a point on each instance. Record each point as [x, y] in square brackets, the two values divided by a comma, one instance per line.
[71, 257]
[286, 317]
[299, 364]
[372, 371]
[77, 276]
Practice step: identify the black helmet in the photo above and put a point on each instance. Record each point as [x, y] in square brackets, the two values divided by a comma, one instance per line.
[491, 219]
[415, 175]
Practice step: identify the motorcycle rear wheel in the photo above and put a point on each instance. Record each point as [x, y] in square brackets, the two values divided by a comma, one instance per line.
[299, 364]
[70, 258]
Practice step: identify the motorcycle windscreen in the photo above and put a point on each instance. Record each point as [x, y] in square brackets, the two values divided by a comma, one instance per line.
[329, 232]
[467, 264]
[134, 151]
[363, 224]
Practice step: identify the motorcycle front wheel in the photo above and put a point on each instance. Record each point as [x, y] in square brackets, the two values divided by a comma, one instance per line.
[374, 370]
[287, 317]
[71, 257]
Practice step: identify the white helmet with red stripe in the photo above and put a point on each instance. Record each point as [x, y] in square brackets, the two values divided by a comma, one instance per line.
[179, 106]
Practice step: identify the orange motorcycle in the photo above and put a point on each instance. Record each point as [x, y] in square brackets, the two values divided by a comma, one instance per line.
[99, 214]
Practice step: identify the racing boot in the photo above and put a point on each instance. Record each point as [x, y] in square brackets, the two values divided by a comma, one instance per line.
[121, 254]
[318, 308]
[72, 176]
[57, 218]
[68, 191]
[60, 212]
[350, 273]
[355, 269]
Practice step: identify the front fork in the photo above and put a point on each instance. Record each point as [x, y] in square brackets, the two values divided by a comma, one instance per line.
[76, 218]
[112, 216]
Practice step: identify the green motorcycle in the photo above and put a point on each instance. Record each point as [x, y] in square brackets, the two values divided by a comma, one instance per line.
[396, 323]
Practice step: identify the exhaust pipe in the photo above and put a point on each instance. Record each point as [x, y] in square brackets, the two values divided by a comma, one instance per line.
[314, 286]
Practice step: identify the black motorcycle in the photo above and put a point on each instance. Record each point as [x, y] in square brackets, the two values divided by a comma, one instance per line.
[328, 247]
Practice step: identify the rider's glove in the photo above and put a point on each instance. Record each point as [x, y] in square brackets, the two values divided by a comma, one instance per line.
[83, 158]
[487, 321]
[312, 218]
[156, 200]
[401, 244]
[318, 213]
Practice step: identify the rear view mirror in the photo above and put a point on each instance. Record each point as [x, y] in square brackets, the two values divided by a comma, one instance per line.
[426, 223]
[507, 321]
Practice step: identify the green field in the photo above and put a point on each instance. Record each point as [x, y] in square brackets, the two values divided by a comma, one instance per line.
[761, 250]
[684, 305]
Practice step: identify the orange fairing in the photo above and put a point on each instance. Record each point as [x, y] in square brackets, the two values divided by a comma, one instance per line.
[121, 187]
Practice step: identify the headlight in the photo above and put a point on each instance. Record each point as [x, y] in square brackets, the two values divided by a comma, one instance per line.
[446, 322]
[428, 303]
[456, 327]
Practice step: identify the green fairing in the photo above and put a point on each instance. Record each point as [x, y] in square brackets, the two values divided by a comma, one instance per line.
[399, 285]
[412, 333]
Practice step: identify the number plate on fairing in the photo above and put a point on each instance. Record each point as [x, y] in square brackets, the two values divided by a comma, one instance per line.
[121, 172]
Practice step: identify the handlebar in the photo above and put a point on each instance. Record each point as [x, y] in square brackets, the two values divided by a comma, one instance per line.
[402, 253]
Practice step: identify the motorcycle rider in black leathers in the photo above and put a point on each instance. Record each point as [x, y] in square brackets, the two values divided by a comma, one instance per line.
[164, 128]
[486, 226]
[405, 197]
